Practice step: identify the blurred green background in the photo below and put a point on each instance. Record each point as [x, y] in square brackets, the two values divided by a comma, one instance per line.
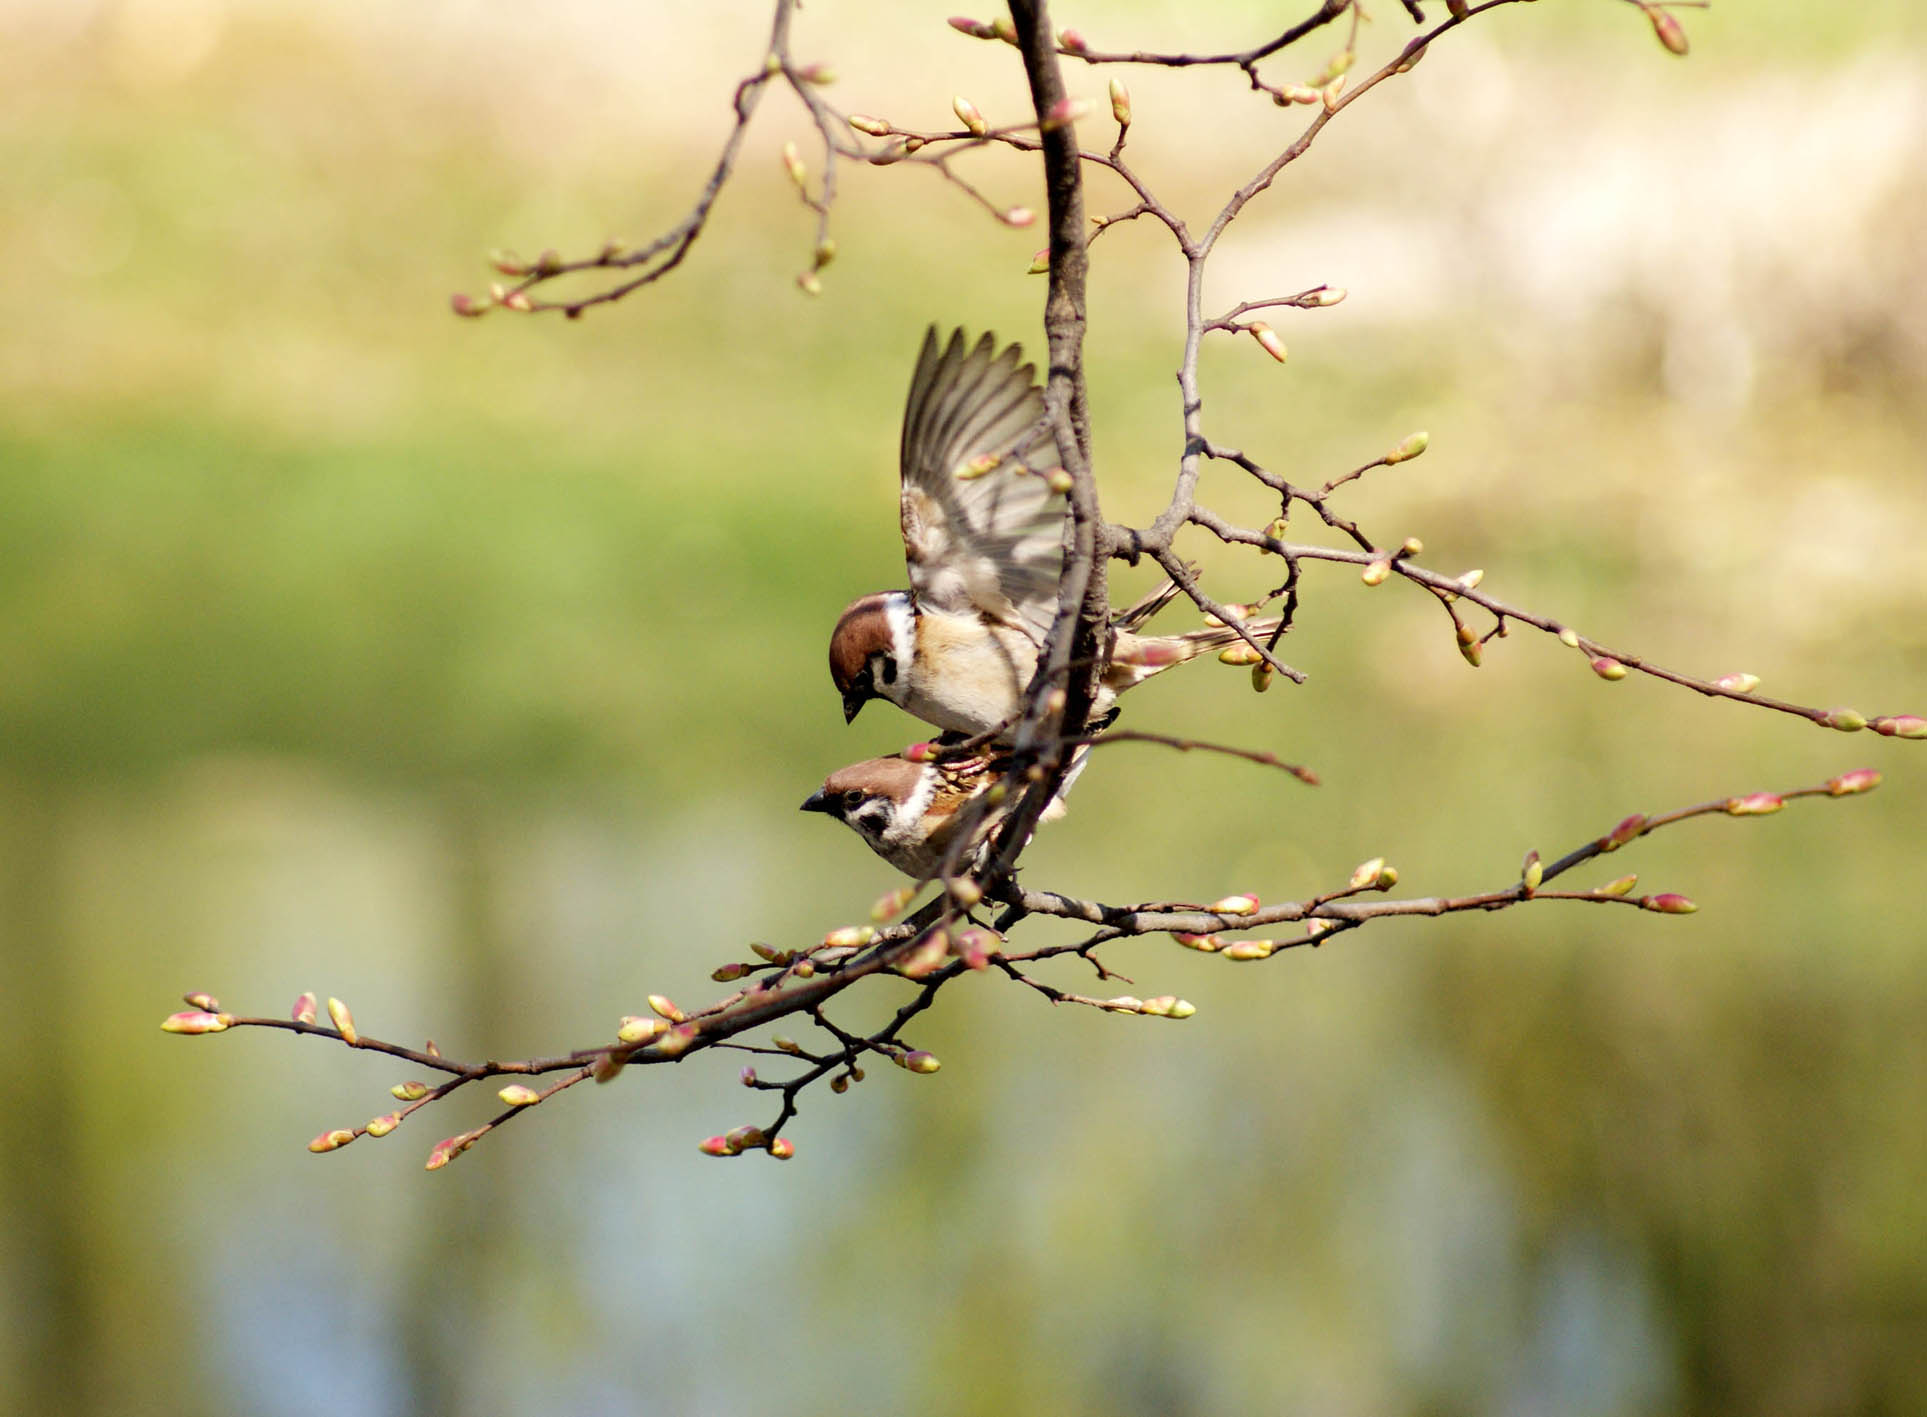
[472, 672]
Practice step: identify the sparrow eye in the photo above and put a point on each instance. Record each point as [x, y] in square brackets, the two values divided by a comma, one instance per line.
[852, 800]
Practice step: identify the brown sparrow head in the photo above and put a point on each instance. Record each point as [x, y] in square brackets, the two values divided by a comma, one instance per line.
[910, 813]
[984, 526]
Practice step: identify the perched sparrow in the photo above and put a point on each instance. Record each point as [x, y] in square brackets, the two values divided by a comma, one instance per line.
[910, 813]
[984, 535]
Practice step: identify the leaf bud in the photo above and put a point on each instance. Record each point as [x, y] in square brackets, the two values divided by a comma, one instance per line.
[1754, 804]
[1329, 94]
[1366, 873]
[1413, 52]
[968, 115]
[1277, 527]
[1471, 650]
[918, 1061]
[1268, 340]
[747, 1077]
[1206, 943]
[1240, 654]
[1063, 113]
[518, 1094]
[964, 891]
[1125, 1004]
[1667, 29]
[1120, 103]
[1002, 28]
[822, 75]
[384, 1124]
[331, 1141]
[727, 973]
[518, 301]
[1328, 295]
[1532, 872]
[839, 1084]
[848, 937]
[662, 1007]
[467, 306]
[794, 165]
[344, 1022]
[714, 1146]
[1845, 719]
[1470, 580]
[743, 1138]
[1628, 829]
[606, 1068]
[1737, 683]
[1059, 481]
[1848, 783]
[1376, 572]
[1569, 637]
[303, 1010]
[782, 1148]
[1244, 903]
[1261, 676]
[410, 1091]
[804, 968]
[1249, 949]
[206, 1002]
[1622, 886]
[825, 252]
[809, 282]
[447, 1149]
[875, 127]
[1017, 216]
[194, 1021]
[1610, 670]
[1413, 445]
[1039, 263]
[1669, 904]
[635, 1029]
[1411, 546]
[1900, 725]
[890, 904]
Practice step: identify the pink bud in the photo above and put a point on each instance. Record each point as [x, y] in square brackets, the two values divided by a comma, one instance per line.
[919, 752]
[1669, 904]
[606, 1067]
[303, 1010]
[918, 1061]
[381, 1126]
[725, 973]
[1754, 804]
[1366, 873]
[1017, 216]
[408, 1091]
[1243, 904]
[194, 1021]
[742, 1138]
[747, 1077]
[848, 937]
[1627, 830]
[1901, 725]
[1268, 340]
[1207, 943]
[202, 1001]
[891, 903]
[1608, 669]
[782, 1148]
[976, 29]
[664, 1007]
[1039, 263]
[1250, 949]
[968, 114]
[1071, 41]
[331, 1141]
[714, 1146]
[466, 306]
[1737, 683]
[1669, 30]
[1848, 783]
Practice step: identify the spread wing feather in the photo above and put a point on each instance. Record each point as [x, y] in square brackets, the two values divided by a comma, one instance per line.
[993, 543]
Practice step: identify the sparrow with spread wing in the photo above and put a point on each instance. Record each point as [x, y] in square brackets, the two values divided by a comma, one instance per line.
[984, 534]
[910, 813]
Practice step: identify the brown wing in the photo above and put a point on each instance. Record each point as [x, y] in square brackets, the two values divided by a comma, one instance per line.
[992, 542]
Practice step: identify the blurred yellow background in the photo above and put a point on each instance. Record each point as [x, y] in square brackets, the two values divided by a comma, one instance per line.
[472, 672]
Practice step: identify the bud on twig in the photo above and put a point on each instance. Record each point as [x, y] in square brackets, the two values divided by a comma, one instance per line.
[202, 1001]
[1754, 804]
[1240, 654]
[1845, 719]
[1667, 30]
[195, 1021]
[875, 127]
[1120, 103]
[1900, 725]
[344, 1022]
[1063, 113]
[518, 1094]
[384, 1124]
[1039, 263]
[634, 1029]
[891, 903]
[1628, 829]
[1017, 216]
[331, 1141]
[1569, 637]
[918, 1061]
[848, 937]
[794, 165]
[782, 1148]
[1377, 572]
[1207, 943]
[1268, 340]
[1414, 445]
[1669, 904]
[1610, 670]
[408, 1091]
[1737, 683]
[663, 1007]
[729, 973]
[1622, 886]
[1532, 872]
[1244, 903]
[303, 1010]
[1848, 783]
[1249, 949]
[968, 115]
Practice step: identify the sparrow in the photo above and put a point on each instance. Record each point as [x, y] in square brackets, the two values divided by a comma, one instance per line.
[910, 813]
[984, 534]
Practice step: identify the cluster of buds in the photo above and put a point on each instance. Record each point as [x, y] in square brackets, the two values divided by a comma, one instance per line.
[1163, 1006]
[1373, 875]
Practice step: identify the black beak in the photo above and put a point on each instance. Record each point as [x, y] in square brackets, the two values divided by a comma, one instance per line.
[817, 801]
[853, 703]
